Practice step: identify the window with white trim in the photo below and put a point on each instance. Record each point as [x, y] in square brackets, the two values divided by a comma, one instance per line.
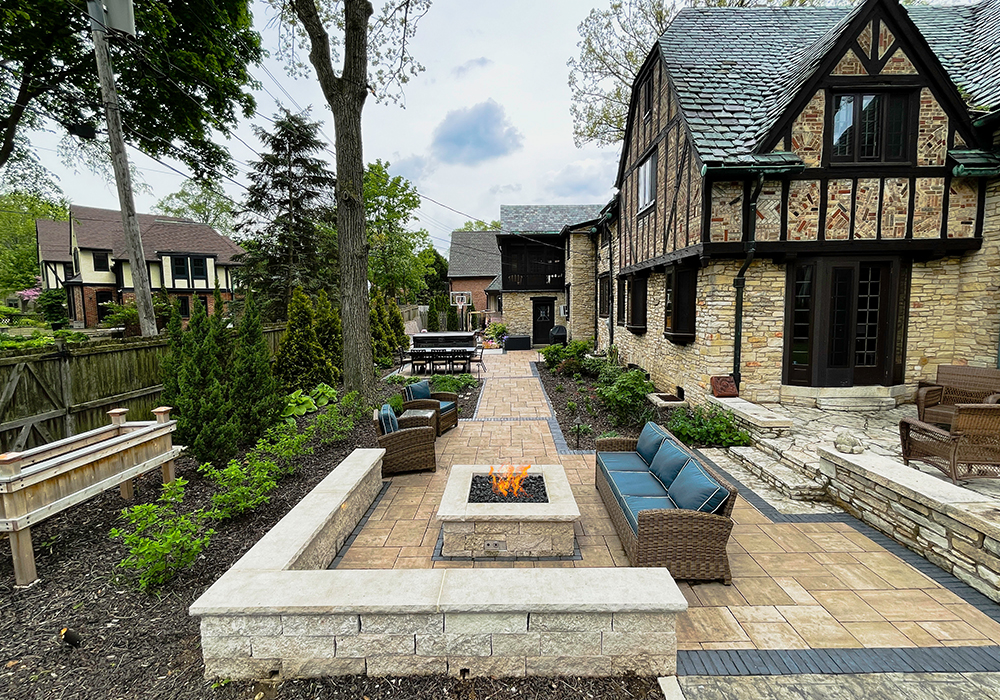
[647, 182]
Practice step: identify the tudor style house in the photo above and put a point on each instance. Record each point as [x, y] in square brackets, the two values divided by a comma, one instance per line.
[87, 256]
[535, 292]
[809, 202]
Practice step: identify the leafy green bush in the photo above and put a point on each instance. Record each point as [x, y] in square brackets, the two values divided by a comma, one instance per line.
[354, 406]
[397, 403]
[578, 348]
[711, 427]
[332, 425]
[401, 380]
[454, 383]
[608, 434]
[496, 331]
[323, 394]
[571, 406]
[609, 374]
[161, 540]
[626, 398]
[71, 336]
[569, 366]
[553, 355]
[297, 405]
[282, 444]
[52, 305]
[242, 487]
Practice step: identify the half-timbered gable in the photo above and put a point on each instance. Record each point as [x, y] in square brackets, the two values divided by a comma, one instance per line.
[801, 191]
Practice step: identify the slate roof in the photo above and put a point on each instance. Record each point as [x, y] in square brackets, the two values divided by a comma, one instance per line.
[101, 229]
[473, 254]
[495, 286]
[544, 218]
[737, 69]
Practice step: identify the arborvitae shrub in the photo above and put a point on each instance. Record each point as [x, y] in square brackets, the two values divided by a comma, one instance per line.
[397, 324]
[329, 333]
[382, 336]
[432, 316]
[254, 392]
[170, 365]
[452, 317]
[301, 362]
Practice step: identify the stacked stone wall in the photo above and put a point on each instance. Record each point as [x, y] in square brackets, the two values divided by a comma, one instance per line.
[582, 286]
[517, 309]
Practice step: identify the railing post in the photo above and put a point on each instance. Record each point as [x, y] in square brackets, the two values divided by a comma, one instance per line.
[15, 506]
[118, 420]
[162, 416]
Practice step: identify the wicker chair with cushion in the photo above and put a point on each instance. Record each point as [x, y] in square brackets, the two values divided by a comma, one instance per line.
[956, 384]
[971, 449]
[420, 396]
[669, 508]
[409, 446]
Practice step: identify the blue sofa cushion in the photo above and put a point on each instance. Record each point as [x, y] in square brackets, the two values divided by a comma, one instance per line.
[649, 441]
[418, 390]
[667, 463]
[637, 484]
[634, 504]
[696, 489]
[447, 406]
[387, 419]
[621, 462]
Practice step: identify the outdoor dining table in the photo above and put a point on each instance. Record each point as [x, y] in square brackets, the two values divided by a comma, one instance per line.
[453, 356]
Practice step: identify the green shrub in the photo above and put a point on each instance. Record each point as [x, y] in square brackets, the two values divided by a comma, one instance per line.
[454, 383]
[383, 339]
[710, 427]
[553, 355]
[453, 322]
[496, 332]
[332, 425]
[242, 487]
[52, 305]
[433, 323]
[323, 394]
[297, 405]
[355, 407]
[301, 362]
[161, 540]
[626, 398]
[282, 444]
[571, 406]
[569, 366]
[329, 333]
[71, 336]
[401, 380]
[253, 389]
[396, 324]
[609, 374]
[578, 348]
[397, 403]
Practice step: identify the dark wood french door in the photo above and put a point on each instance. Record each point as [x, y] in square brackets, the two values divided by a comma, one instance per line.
[542, 319]
[845, 322]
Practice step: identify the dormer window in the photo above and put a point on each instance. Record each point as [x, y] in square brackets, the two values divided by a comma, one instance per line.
[870, 127]
[101, 262]
[180, 268]
[199, 270]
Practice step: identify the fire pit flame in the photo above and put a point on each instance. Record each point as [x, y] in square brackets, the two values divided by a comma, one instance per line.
[508, 483]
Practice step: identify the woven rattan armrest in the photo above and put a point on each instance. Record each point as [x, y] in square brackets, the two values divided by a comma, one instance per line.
[616, 444]
[933, 430]
[684, 520]
[407, 437]
[928, 396]
[992, 398]
[444, 396]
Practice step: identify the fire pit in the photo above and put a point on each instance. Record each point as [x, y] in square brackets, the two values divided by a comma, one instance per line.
[511, 526]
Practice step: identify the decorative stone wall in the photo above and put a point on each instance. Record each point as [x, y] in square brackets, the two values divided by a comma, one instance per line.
[840, 194]
[899, 64]
[928, 202]
[932, 132]
[604, 324]
[517, 310]
[849, 64]
[727, 212]
[803, 210]
[866, 209]
[895, 207]
[769, 212]
[582, 287]
[807, 131]
[950, 526]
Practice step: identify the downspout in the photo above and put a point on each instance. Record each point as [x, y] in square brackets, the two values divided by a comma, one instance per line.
[740, 280]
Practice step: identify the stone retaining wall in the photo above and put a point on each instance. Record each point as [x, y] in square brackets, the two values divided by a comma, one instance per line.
[952, 527]
[271, 617]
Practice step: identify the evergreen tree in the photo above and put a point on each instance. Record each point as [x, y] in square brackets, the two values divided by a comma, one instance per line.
[220, 322]
[397, 325]
[292, 192]
[204, 422]
[328, 332]
[171, 364]
[433, 324]
[256, 396]
[301, 362]
[382, 336]
[452, 317]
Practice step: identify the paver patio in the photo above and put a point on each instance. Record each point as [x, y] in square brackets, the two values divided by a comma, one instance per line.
[796, 585]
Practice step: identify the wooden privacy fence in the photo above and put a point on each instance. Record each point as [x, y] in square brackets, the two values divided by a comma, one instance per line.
[38, 483]
[47, 395]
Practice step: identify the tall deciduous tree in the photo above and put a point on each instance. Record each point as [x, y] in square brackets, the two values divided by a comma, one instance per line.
[201, 201]
[18, 244]
[182, 81]
[435, 274]
[390, 204]
[479, 225]
[284, 226]
[375, 58]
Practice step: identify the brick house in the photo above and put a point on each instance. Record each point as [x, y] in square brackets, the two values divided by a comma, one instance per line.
[534, 242]
[87, 257]
[810, 202]
[473, 263]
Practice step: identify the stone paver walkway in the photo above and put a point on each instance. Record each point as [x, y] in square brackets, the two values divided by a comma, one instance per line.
[911, 686]
[796, 585]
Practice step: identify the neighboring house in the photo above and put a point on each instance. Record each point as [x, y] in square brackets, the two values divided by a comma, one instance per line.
[535, 291]
[87, 256]
[473, 263]
[839, 169]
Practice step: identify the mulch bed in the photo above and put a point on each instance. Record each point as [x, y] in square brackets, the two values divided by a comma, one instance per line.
[138, 645]
[564, 390]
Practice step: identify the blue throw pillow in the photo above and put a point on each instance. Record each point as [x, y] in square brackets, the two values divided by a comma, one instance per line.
[668, 462]
[649, 441]
[696, 489]
[420, 390]
[387, 419]
[447, 406]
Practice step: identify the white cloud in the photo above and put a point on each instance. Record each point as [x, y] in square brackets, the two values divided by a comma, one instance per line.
[475, 134]
[469, 66]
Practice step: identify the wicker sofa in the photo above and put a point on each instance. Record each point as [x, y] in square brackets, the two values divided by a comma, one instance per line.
[953, 385]
[443, 403]
[669, 507]
[969, 450]
[408, 442]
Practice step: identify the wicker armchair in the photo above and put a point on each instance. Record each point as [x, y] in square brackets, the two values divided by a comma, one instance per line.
[449, 419]
[411, 448]
[691, 544]
[956, 384]
[971, 449]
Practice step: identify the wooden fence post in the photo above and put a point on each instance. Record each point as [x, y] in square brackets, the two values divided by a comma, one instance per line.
[118, 420]
[162, 416]
[15, 506]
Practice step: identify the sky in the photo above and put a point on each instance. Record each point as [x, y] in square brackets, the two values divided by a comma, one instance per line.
[487, 123]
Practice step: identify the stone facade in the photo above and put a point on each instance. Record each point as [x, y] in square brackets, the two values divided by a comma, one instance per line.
[517, 539]
[807, 131]
[517, 308]
[582, 286]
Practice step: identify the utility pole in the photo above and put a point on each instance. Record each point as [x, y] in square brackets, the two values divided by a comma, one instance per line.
[119, 159]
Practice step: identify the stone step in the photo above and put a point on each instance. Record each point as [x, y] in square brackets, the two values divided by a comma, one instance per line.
[787, 480]
[803, 461]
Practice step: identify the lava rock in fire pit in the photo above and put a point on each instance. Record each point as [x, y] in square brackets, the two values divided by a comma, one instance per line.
[533, 491]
